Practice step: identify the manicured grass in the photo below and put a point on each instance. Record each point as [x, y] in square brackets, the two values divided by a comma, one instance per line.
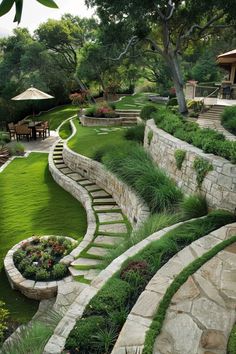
[88, 139]
[136, 101]
[179, 280]
[65, 130]
[57, 115]
[33, 204]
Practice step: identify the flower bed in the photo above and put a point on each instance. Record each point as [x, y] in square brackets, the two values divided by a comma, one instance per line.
[101, 110]
[39, 259]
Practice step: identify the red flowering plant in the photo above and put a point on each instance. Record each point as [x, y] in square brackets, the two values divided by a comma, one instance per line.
[79, 98]
[101, 110]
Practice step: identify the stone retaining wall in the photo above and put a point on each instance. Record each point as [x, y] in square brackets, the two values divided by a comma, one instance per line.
[132, 206]
[37, 290]
[219, 185]
[99, 122]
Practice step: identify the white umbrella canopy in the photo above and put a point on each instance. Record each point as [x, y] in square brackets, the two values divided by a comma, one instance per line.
[32, 94]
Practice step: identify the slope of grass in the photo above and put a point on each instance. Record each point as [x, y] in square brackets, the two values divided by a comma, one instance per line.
[57, 115]
[136, 101]
[31, 203]
[89, 139]
[65, 130]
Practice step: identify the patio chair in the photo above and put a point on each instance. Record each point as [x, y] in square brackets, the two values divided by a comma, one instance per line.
[46, 124]
[22, 131]
[12, 130]
[41, 130]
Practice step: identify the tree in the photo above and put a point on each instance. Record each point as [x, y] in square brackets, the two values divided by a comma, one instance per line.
[6, 6]
[167, 27]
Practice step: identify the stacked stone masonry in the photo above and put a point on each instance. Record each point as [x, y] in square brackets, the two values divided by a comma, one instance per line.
[131, 205]
[219, 185]
[202, 312]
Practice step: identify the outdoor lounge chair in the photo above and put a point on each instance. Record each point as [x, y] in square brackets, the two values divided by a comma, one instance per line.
[12, 130]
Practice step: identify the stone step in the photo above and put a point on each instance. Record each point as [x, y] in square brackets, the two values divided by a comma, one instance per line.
[100, 194]
[97, 251]
[61, 165]
[75, 176]
[85, 182]
[58, 161]
[85, 262]
[86, 274]
[107, 240]
[93, 188]
[104, 201]
[119, 228]
[101, 208]
[110, 217]
[66, 170]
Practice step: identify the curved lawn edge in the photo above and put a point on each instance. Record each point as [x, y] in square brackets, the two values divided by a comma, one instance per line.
[142, 323]
[57, 342]
[181, 278]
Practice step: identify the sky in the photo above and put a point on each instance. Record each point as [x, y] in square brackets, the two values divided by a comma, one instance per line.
[34, 13]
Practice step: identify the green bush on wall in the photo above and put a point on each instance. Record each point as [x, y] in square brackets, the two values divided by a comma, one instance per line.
[202, 167]
[147, 111]
[179, 158]
[228, 119]
[150, 136]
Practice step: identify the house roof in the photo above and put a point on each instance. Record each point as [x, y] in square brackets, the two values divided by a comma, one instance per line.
[227, 58]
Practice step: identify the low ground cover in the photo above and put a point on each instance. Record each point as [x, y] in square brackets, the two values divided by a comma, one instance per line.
[106, 313]
[33, 204]
[180, 279]
[208, 140]
[57, 115]
[228, 119]
[232, 341]
[89, 139]
[39, 259]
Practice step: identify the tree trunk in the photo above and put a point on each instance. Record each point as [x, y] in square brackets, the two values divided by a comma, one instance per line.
[176, 76]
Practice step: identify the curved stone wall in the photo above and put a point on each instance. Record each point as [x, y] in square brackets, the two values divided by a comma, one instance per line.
[37, 290]
[132, 206]
[219, 185]
[98, 122]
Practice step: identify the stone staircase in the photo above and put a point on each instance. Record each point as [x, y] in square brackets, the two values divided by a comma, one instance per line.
[129, 116]
[212, 120]
[112, 225]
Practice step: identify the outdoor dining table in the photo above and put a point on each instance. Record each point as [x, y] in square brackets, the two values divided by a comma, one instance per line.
[32, 126]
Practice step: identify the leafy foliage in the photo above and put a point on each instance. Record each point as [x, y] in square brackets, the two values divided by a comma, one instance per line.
[136, 133]
[202, 167]
[179, 158]
[4, 314]
[147, 111]
[228, 119]
[194, 206]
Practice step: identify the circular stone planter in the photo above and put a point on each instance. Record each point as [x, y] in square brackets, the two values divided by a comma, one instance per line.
[37, 290]
[96, 122]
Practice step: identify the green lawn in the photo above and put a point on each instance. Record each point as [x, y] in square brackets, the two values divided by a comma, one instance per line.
[89, 139]
[65, 130]
[31, 203]
[57, 115]
[136, 101]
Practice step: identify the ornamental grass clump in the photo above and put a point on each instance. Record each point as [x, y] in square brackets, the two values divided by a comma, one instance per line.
[39, 259]
[132, 164]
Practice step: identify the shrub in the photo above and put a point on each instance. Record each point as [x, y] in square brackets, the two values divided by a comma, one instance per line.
[4, 138]
[42, 275]
[135, 133]
[150, 136]
[147, 111]
[16, 149]
[30, 271]
[202, 167]
[179, 158]
[59, 271]
[80, 336]
[194, 206]
[172, 102]
[208, 140]
[228, 119]
[101, 110]
[99, 153]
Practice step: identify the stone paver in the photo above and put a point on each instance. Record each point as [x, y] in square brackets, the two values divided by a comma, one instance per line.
[85, 262]
[92, 187]
[107, 240]
[104, 201]
[98, 251]
[99, 194]
[113, 228]
[66, 170]
[75, 176]
[110, 217]
[106, 207]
